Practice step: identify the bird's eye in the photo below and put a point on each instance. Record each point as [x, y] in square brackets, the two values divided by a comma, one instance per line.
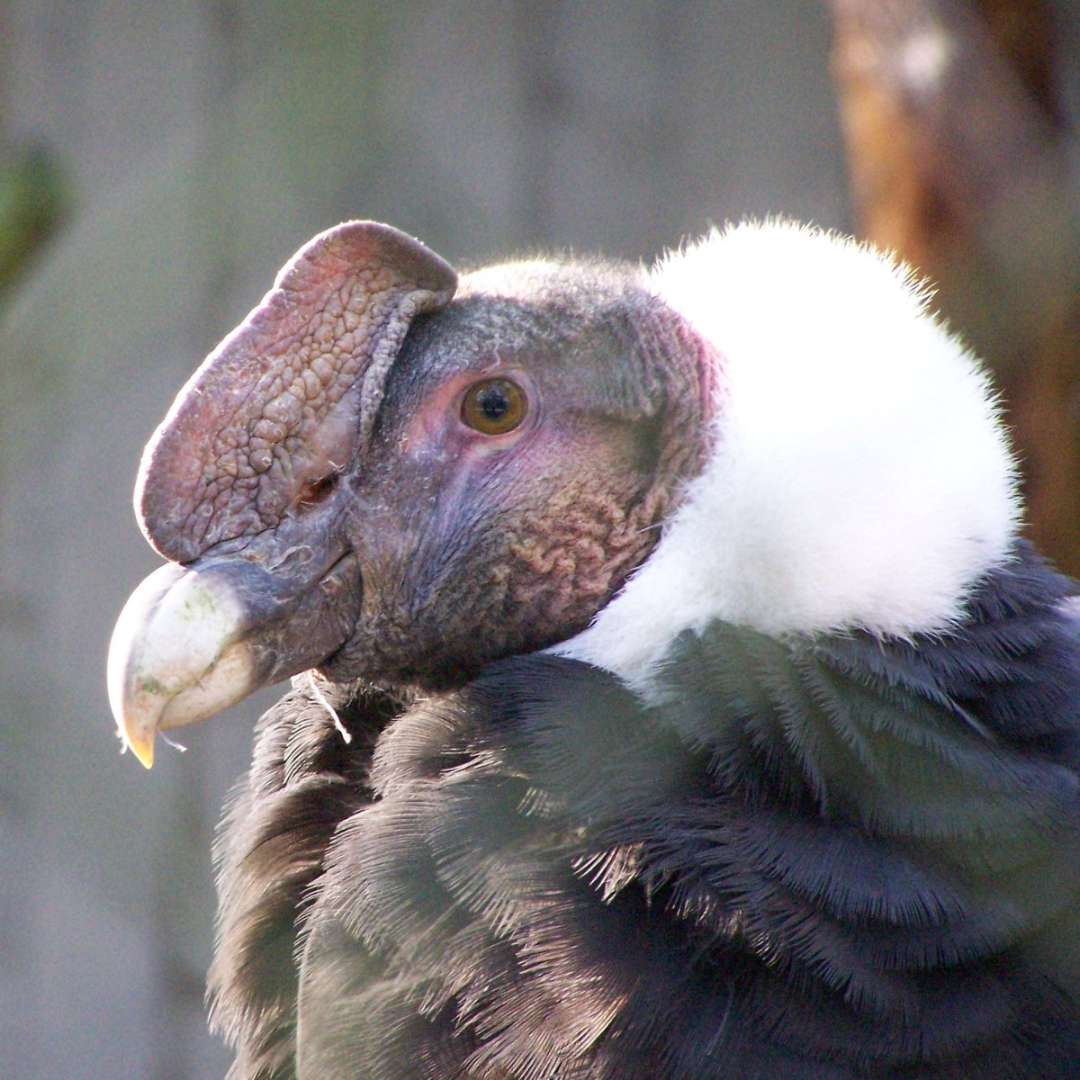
[494, 406]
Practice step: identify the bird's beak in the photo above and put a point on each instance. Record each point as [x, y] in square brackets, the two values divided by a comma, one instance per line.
[260, 589]
[193, 640]
[178, 654]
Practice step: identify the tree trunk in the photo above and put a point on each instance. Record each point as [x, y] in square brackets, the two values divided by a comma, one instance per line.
[958, 152]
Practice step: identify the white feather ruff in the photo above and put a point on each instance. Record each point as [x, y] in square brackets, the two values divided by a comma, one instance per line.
[860, 475]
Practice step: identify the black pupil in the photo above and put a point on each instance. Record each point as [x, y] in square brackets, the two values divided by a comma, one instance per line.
[494, 402]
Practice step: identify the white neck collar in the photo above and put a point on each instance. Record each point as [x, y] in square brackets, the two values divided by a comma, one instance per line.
[860, 476]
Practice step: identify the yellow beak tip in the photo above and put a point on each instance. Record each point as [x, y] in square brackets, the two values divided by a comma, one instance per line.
[142, 747]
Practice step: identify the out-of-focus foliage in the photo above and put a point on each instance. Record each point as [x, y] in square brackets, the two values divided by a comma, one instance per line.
[32, 204]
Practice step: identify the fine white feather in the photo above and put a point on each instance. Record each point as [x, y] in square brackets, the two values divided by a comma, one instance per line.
[860, 475]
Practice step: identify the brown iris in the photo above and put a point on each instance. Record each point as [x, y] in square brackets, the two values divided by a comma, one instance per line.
[494, 406]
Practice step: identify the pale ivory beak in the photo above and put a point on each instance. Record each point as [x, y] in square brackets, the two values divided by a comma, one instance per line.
[177, 654]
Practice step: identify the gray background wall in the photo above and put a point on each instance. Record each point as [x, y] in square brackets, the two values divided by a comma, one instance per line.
[203, 141]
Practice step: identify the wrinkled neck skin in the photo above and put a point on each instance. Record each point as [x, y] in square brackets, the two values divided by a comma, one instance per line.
[504, 550]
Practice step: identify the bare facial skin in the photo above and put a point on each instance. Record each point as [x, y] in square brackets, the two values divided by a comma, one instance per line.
[381, 478]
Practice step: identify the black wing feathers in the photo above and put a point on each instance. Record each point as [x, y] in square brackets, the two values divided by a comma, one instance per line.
[834, 858]
[303, 782]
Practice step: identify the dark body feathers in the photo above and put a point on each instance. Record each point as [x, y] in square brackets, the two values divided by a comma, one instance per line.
[813, 858]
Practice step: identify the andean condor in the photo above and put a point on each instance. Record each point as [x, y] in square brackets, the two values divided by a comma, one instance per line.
[674, 697]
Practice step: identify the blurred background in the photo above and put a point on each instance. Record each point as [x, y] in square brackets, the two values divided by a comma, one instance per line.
[160, 160]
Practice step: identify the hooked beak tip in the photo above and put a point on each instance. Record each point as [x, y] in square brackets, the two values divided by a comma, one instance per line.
[176, 655]
[135, 710]
[142, 746]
